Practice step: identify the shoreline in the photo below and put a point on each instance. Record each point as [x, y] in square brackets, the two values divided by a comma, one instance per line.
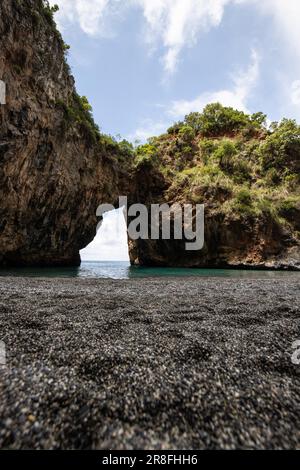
[152, 363]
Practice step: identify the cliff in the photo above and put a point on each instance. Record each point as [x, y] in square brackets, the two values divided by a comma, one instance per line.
[246, 174]
[55, 165]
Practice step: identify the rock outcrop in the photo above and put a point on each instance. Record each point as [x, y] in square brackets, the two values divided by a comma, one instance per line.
[248, 178]
[55, 167]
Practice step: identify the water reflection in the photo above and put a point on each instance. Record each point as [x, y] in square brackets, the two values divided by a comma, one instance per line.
[40, 272]
[122, 270]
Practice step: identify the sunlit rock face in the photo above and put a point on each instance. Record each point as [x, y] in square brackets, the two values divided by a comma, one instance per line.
[247, 177]
[54, 166]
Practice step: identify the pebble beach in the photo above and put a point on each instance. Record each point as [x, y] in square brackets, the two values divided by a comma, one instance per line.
[149, 364]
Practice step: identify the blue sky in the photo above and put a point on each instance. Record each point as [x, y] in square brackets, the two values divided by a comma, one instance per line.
[144, 64]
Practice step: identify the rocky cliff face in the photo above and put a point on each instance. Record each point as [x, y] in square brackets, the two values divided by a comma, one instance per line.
[55, 167]
[248, 178]
[243, 244]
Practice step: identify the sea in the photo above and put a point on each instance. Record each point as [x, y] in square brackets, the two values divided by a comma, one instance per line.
[123, 270]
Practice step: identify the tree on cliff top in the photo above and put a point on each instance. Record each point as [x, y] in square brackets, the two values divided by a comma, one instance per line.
[217, 120]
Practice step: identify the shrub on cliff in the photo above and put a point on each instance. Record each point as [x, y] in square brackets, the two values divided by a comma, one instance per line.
[186, 134]
[281, 149]
[146, 156]
[80, 111]
[49, 11]
[175, 128]
[217, 120]
[243, 197]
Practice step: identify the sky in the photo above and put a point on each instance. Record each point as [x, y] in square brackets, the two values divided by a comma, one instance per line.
[144, 64]
[111, 240]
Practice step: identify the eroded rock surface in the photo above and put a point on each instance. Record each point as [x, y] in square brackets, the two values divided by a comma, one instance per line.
[55, 168]
[246, 175]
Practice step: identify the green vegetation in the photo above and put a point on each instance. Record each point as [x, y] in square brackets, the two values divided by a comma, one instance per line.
[186, 134]
[146, 156]
[281, 149]
[217, 120]
[221, 156]
[49, 11]
[80, 112]
[232, 160]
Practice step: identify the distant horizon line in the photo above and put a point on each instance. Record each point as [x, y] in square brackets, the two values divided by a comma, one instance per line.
[105, 260]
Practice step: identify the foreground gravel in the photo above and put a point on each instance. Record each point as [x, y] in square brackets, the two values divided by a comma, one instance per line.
[149, 364]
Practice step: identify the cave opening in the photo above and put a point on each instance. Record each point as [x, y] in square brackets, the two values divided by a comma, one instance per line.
[111, 242]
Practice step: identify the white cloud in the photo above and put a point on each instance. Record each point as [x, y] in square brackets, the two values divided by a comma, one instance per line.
[172, 24]
[176, 23]
[285, 14]
[148, 128]
[243, 84]
[88, 13]
[111, 242]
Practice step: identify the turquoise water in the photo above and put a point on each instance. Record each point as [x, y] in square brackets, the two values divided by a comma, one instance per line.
[122, 270]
